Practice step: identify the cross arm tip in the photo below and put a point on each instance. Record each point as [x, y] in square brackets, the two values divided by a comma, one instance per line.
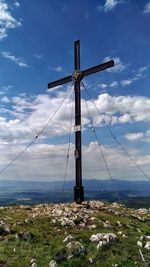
[60, 82]
[112, 62]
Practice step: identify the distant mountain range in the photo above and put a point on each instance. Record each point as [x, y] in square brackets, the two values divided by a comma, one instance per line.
[31, 192]
[143, 187]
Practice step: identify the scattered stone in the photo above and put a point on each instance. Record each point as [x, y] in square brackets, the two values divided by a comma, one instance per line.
[124, 236]
[107, 225]
[67, 222]
[93, 226]
[139, 243]
[143, 211]
[33, 260]
[103, 239]
[33, 263]
[147, 246]
[52, 264]
[119, 233]
[144, 243]
[4, 229]
[119, 224]
[84, 216]
[26, 236]
[68, 238]
[92, 218]
[69, 257]
[91, 260]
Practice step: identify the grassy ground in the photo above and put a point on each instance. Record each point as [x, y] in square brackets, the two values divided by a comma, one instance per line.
[44, 240]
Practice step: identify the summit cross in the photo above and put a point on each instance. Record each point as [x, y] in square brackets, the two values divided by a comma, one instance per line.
[76, 77]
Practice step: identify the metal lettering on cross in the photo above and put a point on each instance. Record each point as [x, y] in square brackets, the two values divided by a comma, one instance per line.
[76, 77]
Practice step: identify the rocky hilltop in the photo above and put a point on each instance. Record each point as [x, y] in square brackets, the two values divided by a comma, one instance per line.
[70, 235]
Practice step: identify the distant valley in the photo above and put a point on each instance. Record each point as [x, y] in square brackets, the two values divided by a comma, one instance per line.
[132, 193]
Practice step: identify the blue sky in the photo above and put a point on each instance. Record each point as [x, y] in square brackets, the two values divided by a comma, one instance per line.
[36, 47]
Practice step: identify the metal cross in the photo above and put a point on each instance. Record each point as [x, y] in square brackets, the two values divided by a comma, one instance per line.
[77, 76]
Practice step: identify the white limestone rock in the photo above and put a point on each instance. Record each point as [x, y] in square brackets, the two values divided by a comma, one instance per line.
[147, 246]
[68, 238]
[103, 239]
[53, 263]
[93, 226]
[139, 243]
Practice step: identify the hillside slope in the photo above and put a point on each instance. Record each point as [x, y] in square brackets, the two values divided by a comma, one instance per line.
[69, 235]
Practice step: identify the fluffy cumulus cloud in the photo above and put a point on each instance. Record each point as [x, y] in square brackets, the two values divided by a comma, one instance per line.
[122, 109]
[7, 20]
[17, 60]
[47, 162]
[134, 136]
[141, 136]
[28, 115]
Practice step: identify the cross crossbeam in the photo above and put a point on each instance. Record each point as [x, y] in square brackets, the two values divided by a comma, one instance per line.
[76, 77]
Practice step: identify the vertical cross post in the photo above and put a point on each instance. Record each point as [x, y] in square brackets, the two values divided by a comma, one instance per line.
[78, 189]
[77, 76]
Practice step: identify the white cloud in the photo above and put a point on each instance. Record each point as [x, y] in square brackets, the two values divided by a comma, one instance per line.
[43, 159]
[16, 4]
[142, 136]
[114, 84]
[102, 85]
[31, 114]
[38, 56]
[119, 66]
[126, 82]
[7, 21]
[139, 74]
[5, 99]
[143, 69]
[57, 69]
[147, 8]
[134, 136]
[5, 89]
[122, 109]
[17, 60]
[54, 88]
[47, 162]
[109, 5]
